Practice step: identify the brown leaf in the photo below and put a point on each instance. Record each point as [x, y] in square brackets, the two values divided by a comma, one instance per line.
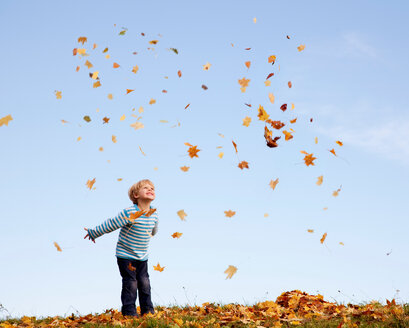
[243, 164]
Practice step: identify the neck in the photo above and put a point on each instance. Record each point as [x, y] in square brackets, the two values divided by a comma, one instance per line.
[144, 204]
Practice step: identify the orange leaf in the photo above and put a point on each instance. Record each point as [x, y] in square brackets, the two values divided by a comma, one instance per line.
[58, 247]
[235, 146]
[90, 183]
[129, 90]
[273, 183]
[332, 151]
[187, 106]
[301, 47]
[130, 267]
[247, 63]
[323, 238]
[115, 65]
[158, 268]
[229, 213]
[177, 235]
[82, 39]
[184, 168]
[243, 164]
[339, 143]
[182, 215]
[290, 84]
[179, 73]
[230, 271]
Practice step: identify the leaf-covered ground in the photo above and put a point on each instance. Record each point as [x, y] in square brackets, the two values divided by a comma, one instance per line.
[291, 309]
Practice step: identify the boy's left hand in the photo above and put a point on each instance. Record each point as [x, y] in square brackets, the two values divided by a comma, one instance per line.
[88, 235]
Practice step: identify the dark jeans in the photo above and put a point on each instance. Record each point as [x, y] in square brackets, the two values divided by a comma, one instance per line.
[135, 278]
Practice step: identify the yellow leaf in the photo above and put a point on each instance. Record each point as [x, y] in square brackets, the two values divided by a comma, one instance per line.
[152, 101]
[229, 213]
[262, 114]
[243, 89]
[137, 125]
[179, 322]
[267, 83]
[292, 106]
[101, 149]
[301, 47]
[81, 51]
[155, 168]
[230, 271]
[271, 97]
[182, 215]
[206, 66]
[58, 247]
[107, 56]
[273, 183]
[79, 138]
[95, 75]
[153, 42]
[122, 117]
[88, 64]
[140, 110]
[114, 139]
[246, 121]
[163, 121]
[119, 179]
[110, 96]
[255, 20]
[265, 215]
[325, 208]
[96, 84]
[142, 151]
[316, 140]
[158, 268]
[90, 183]
[58, 94]
[221, 155]
[319, 181]
[184, 168]
[177, 235]
[341, 243]
[272, 59]
[135, 69]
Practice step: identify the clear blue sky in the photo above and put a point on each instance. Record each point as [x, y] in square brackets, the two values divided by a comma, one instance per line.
[351, 79]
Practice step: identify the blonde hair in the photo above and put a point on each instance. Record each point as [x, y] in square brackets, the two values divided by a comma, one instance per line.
[136, 187]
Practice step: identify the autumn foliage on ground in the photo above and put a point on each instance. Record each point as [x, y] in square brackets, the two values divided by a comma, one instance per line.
[291, 309]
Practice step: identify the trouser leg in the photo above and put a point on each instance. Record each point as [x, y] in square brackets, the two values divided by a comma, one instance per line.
[144, 288]
[129, 286]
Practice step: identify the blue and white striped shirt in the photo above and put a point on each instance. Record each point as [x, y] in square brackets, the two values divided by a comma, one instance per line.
[133, 240]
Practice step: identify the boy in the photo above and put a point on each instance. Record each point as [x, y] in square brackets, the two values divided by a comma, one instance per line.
[138, 223]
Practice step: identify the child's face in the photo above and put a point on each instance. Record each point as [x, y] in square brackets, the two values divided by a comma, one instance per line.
[147, 192]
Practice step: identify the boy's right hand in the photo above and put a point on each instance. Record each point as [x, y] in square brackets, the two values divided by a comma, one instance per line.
[88, 235]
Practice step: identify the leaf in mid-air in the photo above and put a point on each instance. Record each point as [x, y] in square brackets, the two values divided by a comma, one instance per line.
[114, 139]
[184, 168]
[273, 183]
[58, 94]
[301, 47]
[177, 234]
[87, 118]
[319, 180]
[323, 238]
[158, 268]
[182, 215]
[90, 183]
[115, 65]
[230, 271]
[58, 247]
[243, 164]
[206, 66]
[229, 213]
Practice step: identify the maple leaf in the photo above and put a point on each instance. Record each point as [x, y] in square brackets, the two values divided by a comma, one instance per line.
[229, 213]
[123, 31]
[135, 215]
[58, 94]
[77, 69]
[275, 124]
[267, 83]
[158, 268]
[94, 46]
[137, 125]
[105, 120]
[230, 271]
[247, 63]
[114, 139]
[180, 73]
[152, 101]
[243, 164]
[288, 135]
[177, 234]
[283, 107]
[221, 155]
[319, 180]
[341, 243]
[262, 114]
[150, 212]
[184, 168]
[79, 138]
[63, 121]
[95, 75]
[308, 159]
[87, 118]
[90, 183]
[129, 90]
[246, 121]
[268, 136]
[81, 51]
[323, 238]
[105, 50]
[244, 82]
[272, 59]
[206, 66]
[82, 39]
[332, 151]
[234, 145]
[193, 151]
[130, 267]
[115, 65]
[273, 183]
[58, 247]
[271, 97]
[301, 47]
[290, 84]
[88, 64]
[182, 215]
[96, 84]
[339, 143]
[135, 69]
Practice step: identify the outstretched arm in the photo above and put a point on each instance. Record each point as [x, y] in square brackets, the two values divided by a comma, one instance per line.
[109, 225]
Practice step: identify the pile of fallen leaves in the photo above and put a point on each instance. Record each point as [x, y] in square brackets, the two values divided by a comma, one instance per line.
[293, 308]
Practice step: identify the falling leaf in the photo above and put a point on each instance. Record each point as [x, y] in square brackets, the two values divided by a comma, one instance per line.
[152, 101]
[262, 114]
[288, 135]
[96, 84]
[319, 180]
[135, 69]
[58, 94]
[311, 119]
[323, 238]
[182, 215]
[79, 138]
[301, 47]
[316, 140]
[229, 213]
[87, 118]
[101, 149]
[153, 42]
[246, 121]
[74, 51]
[192, 150]
[114, 139]
[164, 91]
[129, 90]
[137, 125]
[158, 268]
[88, 64]
[288, 37]
[130, 267]
[184, 168]
[255, 20]
[63, 121]
[267, 83]
[332, 151]
[310, 230]
[247, 63]
[269, 75]
[204, 87]
[206, 66]
[230, 271]
[90, 183]
[95, 75]
[234, 145]
[123, 32]
[247, 48]
[174, 50]
[110, 96]
[325, 208]
[341, 243]
[268, 136]
[283, 107]
[272, 59]
[107, 56]
[77, 69]
[122, 117]
[221, 155]
[336, 192]
[105, 120]
[273, 183]
[81, 51]
[58, 247]
[293, 121]
[187, 106]
[163, 121]
[290, 84]
[82, 39]
[177, 234]
[265, 215]
[244, 82]
[180, 73]
[115, 65]
[243, 164]
[94, 46]
[105, 50]
[308, 159]
[339, 143]
[271, 97]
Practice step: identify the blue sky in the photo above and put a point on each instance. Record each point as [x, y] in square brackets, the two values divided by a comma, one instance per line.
[351, 79]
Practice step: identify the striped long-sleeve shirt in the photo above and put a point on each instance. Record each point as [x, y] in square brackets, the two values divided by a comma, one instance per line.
[133, 240]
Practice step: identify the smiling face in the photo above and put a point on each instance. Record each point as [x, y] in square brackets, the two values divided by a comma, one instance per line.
[146, 192]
